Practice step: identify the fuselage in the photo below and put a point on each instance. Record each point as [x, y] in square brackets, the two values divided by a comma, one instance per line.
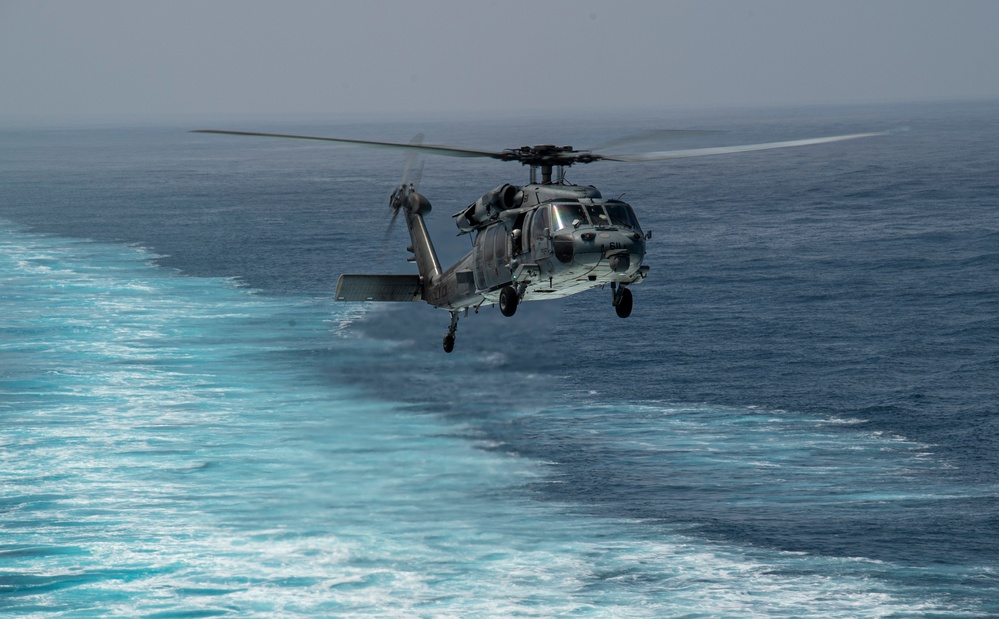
[557, 241]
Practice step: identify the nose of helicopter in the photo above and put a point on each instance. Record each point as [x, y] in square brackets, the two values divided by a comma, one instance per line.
[620, 250]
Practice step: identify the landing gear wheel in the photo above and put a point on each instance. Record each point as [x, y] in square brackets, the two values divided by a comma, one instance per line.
[508, 301]
[449, 338]
[623, 302]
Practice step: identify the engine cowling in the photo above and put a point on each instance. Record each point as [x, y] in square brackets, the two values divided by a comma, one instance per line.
[488, 207]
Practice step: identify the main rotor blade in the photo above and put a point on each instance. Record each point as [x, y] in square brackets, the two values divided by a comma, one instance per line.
[655, 135]
[724, 150]
[433, 149]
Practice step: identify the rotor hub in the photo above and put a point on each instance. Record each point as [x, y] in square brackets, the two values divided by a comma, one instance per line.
[548, 155]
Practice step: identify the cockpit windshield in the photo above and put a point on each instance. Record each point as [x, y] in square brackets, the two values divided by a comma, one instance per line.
[610, 213]
[565, 214]
[597, 215]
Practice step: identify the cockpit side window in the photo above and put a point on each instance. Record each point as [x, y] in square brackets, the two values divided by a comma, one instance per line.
[565, 214]
[539, 223]
[622, 215]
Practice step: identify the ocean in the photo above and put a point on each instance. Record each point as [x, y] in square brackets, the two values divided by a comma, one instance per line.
[799, 419]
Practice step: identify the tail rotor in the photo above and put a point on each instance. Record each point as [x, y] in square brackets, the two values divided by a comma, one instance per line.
[412, 172]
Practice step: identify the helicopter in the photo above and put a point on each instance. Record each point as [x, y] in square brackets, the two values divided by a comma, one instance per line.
[546, 239]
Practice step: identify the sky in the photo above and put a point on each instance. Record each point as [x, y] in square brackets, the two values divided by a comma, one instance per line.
[101, 58]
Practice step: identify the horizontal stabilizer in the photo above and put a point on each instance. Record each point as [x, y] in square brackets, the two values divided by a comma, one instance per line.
[379, 288]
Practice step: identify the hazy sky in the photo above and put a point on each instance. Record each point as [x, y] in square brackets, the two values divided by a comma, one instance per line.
[395, 57]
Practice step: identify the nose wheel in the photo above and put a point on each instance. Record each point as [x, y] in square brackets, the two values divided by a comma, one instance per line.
[622, 300]
[449, 338]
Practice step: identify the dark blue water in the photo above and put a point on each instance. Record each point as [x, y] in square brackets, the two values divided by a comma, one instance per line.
[799, 418]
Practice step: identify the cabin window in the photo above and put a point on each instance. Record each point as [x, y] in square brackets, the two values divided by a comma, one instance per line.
[564, 214]
[499, 242]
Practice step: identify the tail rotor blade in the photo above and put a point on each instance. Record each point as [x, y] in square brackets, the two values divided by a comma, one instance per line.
[414, 174]
[413, 170]
[383, 255]
[395, 213]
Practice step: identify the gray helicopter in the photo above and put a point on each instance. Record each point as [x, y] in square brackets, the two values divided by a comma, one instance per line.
[544, 240]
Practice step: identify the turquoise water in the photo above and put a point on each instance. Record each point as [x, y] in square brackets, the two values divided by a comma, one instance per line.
[797, 420]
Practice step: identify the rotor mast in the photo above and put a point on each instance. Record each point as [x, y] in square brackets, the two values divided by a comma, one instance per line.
[546, 173]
